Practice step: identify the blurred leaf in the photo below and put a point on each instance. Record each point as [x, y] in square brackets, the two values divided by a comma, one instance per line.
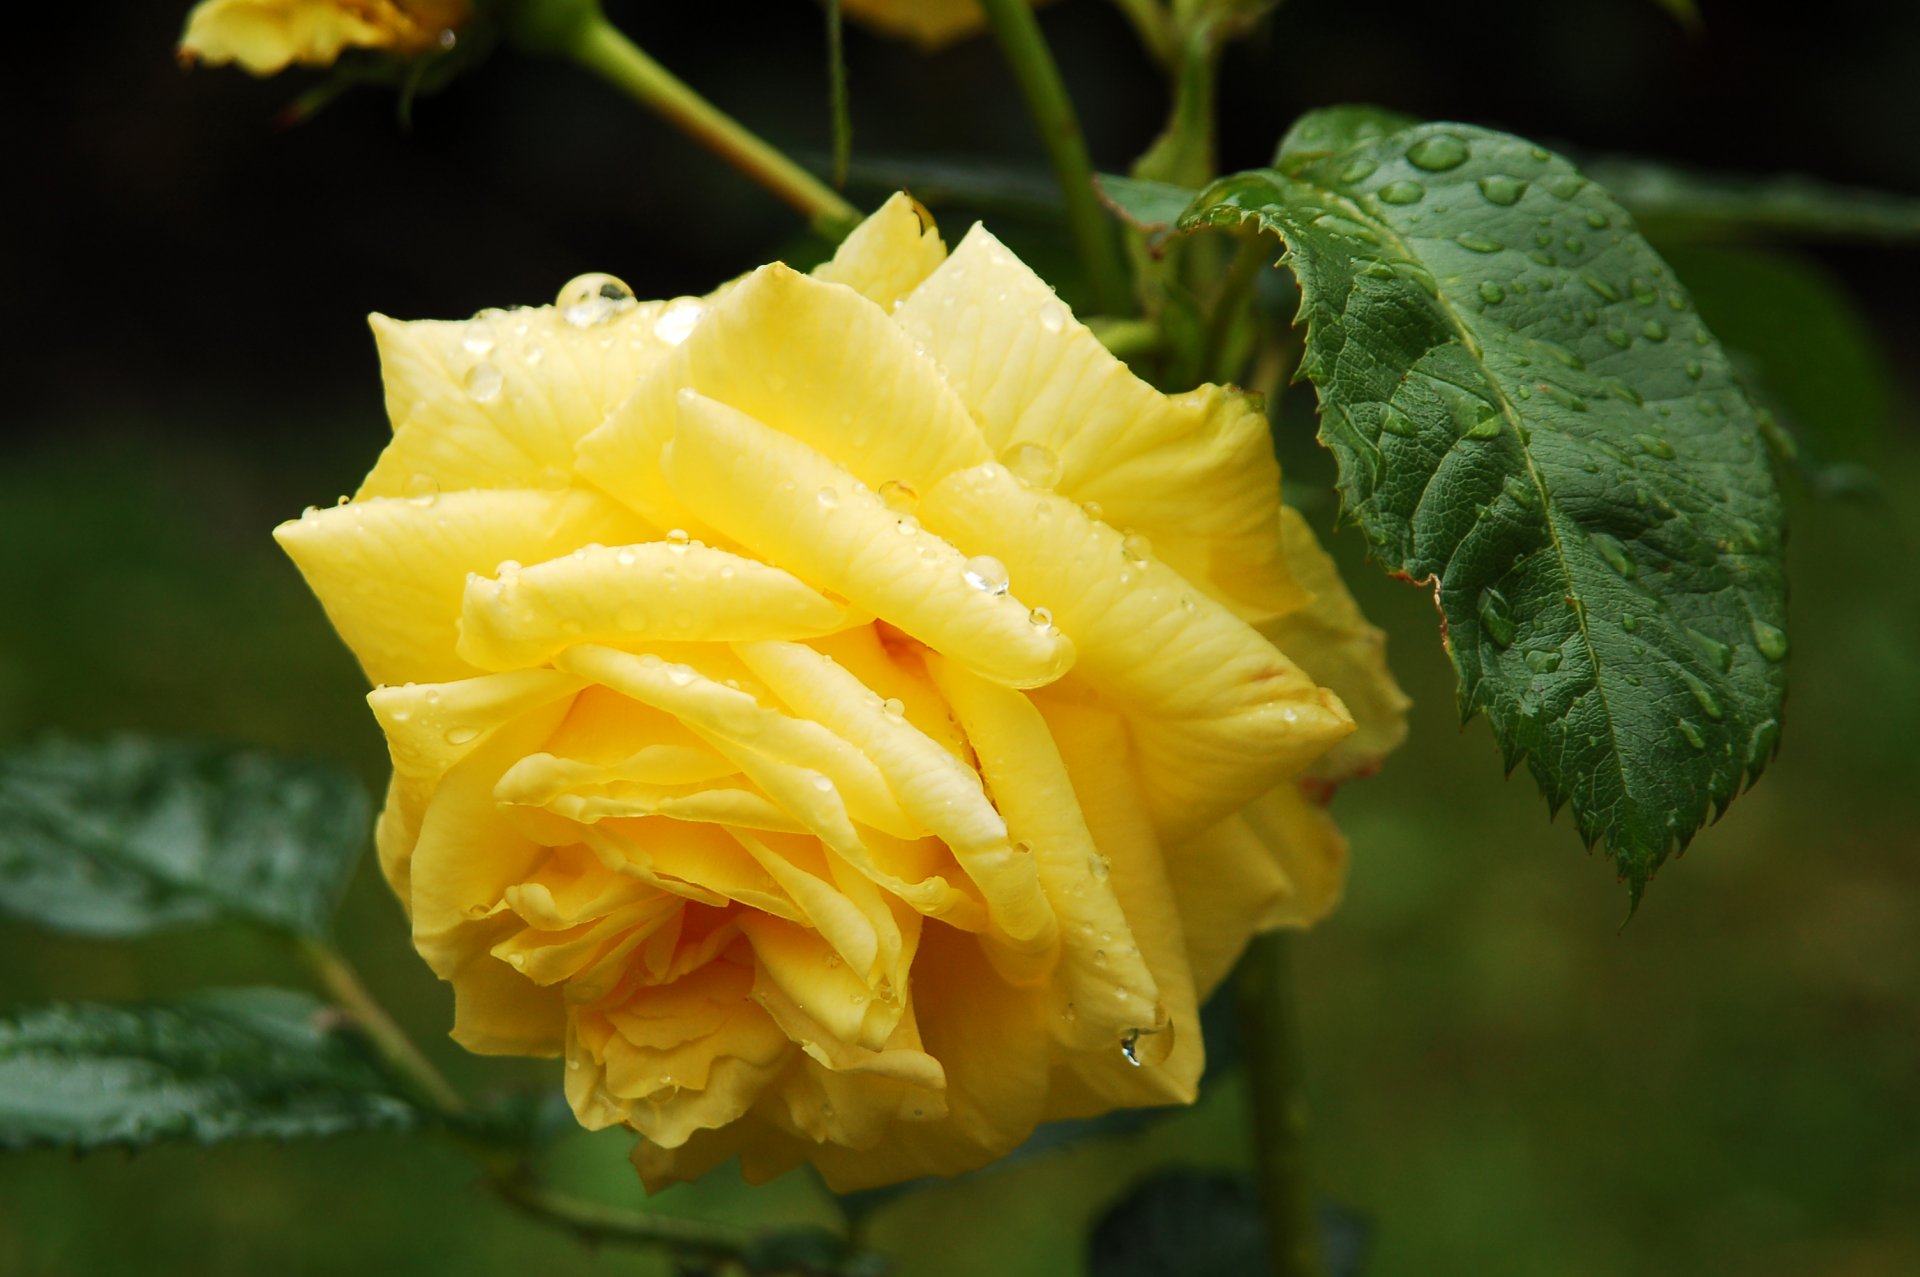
[229, 1065]
[1528, 415]
[1188, 1223]
[1143, 204]
[1333, 129]
[1813, 356]
[985, 187]
[127, 836]
[1685, 12]
[1671, 202]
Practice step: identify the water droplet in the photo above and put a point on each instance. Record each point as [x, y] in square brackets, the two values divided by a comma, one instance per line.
[1478, 243]
[1496, 616]
[1497, 188]
[1041, 618]
[1765, 739]
[1401, 193]
[1709, 705]
[478, 341]
[1357, 171]
[1564, 397]
[1575, 245]
[827, 498]
[1629, 622]
[678, 318]
[984, 572]
[899, 496]
[483, 382]
[1600, 286]
[1135, 548]
[1597, 220]
[1033, 464]
[907, 525]
[1614, 553]
[1564, 186]
[1721, 654]
[1694, 370]
[1438, 152]
[1053, 317]
[1485, 426]
[1541, 257]
[587, 300]
[422, 490]
[1691, 734]
[461, 735]
[1491, 293]
[1543, 660]
[1093, 510]
[1619, 338]
[893, 707]
[1654, 330]
[1770, 639]
[678, 540]
[1656, 446]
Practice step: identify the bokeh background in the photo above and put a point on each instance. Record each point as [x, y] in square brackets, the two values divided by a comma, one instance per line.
[1508, 1077]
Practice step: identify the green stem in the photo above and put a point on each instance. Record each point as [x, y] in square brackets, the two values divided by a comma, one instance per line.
[599, 46]
[1230, 303]
[1271, 1041]
[1094, 233]
[342, 983]
[595, 1222]
[1154, 25]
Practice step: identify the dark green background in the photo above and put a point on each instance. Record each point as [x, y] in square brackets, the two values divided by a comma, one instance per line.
[1507, 1079]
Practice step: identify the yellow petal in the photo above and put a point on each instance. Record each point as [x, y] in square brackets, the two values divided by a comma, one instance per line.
[498, 401]
[815, 361]
[430, 728]
[264, 36]
[888, 254]
[1215, 714]
[1340, 649]
[630, 594]
[937, 791]
[390, 572]
[1158, 1061]
[762, 489]
[1193, 472]
[730, 717]
[992, 1042]
[1104, 989]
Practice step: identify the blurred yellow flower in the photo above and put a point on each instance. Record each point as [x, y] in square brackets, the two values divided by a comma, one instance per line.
[830, 713]
[929, 23]
[264, 36]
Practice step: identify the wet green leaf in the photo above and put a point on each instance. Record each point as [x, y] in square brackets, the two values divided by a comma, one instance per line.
[127, 836]
[229, 1065]
[1530, 418]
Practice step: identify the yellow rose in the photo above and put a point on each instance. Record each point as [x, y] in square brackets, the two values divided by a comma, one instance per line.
[829, 713]
[263, 36]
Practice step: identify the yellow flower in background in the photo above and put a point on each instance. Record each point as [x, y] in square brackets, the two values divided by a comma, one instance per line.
[929, 23]
[264, 36]
[830, 714]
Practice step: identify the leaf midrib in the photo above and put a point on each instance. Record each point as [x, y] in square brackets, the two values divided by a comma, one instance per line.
[1367, 216]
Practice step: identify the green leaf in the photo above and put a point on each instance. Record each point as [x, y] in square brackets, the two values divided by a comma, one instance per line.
[1335, 129]
[229, 1065]
[127, 836]
[1144, 204]
[1672, 203]
[1530, 418]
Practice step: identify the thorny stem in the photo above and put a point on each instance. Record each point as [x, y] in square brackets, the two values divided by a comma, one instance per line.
[1094, 233]
[342, 983]
[599, 46]
[1265, 993]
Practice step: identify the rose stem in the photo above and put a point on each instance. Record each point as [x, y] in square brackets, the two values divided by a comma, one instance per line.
[1264, 989]
[582, 32]
[1154, 25]
[342, 983]
[1033, 67]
